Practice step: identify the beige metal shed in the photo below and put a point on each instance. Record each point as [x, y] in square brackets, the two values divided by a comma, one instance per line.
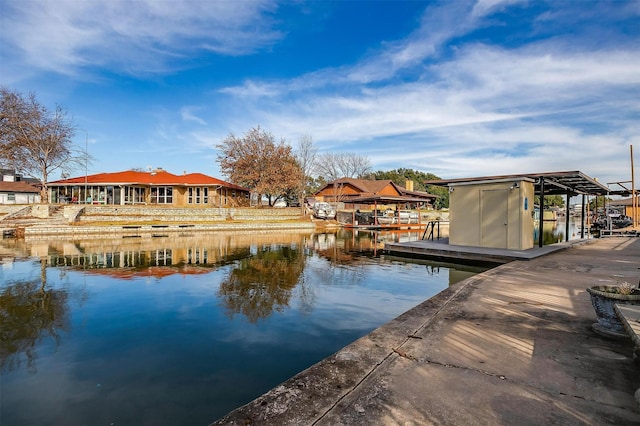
[497, 211]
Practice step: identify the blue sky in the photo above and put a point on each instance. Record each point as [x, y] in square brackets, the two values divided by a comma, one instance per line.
[455, 88]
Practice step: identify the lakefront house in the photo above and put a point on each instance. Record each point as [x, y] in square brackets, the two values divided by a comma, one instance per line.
[354, 191]
[15, 189]
[154, 187]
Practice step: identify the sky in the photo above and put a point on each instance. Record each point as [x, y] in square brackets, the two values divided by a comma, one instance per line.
[455, 88]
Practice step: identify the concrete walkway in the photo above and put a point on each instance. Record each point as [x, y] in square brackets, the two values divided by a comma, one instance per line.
[511, 346]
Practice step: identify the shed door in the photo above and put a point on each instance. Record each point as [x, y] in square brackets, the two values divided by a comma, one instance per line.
[494, 218]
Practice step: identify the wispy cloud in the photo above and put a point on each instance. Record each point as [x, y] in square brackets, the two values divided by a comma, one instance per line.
[481, 84]
[477, 109]
[438, 25]
[484, 7]
[187, 113]
[487, 86]
[130, 36]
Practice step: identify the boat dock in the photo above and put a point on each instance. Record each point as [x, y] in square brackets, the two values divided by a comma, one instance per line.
[512, 345]
[442, 250]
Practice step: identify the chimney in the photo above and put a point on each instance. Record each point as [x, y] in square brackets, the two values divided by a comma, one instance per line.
[408, 185]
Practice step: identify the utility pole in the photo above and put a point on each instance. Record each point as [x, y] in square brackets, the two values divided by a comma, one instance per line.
[634, 198]
[86, 164]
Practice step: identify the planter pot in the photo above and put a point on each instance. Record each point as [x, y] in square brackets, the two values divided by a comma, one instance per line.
[603, 298]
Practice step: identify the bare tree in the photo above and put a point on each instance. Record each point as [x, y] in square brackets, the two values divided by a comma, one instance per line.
[355, 165]
[306, 156]
[35, 141]
[343, 165]
[333, 167]
[257, 162]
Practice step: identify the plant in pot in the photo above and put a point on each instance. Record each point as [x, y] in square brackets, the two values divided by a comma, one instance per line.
[603, 297]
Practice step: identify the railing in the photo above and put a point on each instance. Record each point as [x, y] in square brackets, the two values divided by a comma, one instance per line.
[433, 227]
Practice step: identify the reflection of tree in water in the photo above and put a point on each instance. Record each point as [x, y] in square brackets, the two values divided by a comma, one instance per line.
[549, 236]
[262, 283]
[28, 313]
[345, 261]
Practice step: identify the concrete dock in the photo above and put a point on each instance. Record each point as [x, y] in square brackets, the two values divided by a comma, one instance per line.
[510, 346]
[442, 250]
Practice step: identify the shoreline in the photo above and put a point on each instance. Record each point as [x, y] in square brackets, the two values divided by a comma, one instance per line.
[512, 345]
[125, 221]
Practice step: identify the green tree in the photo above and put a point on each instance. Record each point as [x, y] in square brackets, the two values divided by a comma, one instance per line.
[598, 202]
[314, 184]
[550, 200]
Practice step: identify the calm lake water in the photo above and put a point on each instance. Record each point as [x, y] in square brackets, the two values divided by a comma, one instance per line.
[181, 330]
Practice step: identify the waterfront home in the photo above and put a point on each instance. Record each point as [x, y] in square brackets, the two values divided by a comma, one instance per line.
[350, 191]
[156, 187]
[14, 189]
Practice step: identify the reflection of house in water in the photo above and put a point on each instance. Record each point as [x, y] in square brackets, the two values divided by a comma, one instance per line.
[158, 262]
[139, 263]
[346, 246]
[149, 256]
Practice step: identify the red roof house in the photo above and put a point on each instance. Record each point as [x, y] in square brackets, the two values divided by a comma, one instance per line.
[149, 187]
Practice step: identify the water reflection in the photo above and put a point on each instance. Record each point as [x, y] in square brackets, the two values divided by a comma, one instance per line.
[181, 330]
[262, 283]
[555, 231]
[29, 313]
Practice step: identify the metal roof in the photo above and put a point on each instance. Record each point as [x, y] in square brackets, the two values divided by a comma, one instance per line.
[386, 199]
[555, 183]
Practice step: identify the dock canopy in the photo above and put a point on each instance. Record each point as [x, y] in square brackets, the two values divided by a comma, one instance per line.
[387, 199]
[553, 183]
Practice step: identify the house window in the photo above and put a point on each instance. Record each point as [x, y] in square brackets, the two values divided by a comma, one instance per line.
[198, 196]
[134, 195]
[11, 196]
[139, 196]
[162, 195]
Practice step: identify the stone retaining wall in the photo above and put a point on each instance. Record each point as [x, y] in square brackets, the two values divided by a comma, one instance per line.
[181, 214]
[133, 231]
[150, 218]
